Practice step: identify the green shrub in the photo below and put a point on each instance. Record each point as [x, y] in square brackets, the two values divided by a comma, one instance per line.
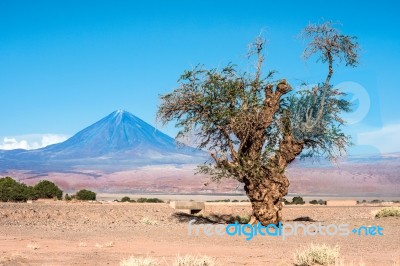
[150, 200]
[126, 199]
[235, 200]
[298, 200]
[375, 201]
[85, 194]
[67, 197]
[320, 202]
[12, 190]
[388, 212]
[47, 190]
[154, 200]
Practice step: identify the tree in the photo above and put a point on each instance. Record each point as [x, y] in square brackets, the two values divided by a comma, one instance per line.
[126, 199]
[85, 194]
[47, 190]
[11, 190]
[298, 200]
[255, 126]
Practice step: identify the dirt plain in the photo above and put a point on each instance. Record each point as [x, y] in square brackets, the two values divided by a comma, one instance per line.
[60, 233]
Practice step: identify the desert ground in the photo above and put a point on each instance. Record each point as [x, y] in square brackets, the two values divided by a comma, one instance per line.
[74, 233]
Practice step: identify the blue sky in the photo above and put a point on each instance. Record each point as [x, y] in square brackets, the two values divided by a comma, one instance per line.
[66, 64]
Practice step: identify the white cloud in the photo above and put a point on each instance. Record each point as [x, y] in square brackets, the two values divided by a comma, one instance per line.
[387, 139]
[30, 142]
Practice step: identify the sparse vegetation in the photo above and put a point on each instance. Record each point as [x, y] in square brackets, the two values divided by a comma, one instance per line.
[317, 254]
[139, 261]
[150, 200]
[189, 260]
[223, 200]
[318, 202]
[148, 221]
[388, 212]
[85, 194]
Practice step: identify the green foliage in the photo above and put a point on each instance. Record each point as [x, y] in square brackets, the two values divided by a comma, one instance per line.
[85, 194]
[67, 197]
[150, 200]
[127, 199]
[319, 202]
[11, 190]
[223, 200]
[47, 190]
[298, 200]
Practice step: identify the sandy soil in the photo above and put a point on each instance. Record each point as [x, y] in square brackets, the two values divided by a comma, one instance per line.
[103, 234]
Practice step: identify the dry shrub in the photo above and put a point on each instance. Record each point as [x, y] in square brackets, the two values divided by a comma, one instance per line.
[317, 254]
[189, 260]
[388, 212]
[138, 261]
[148, 221]
[33, 246]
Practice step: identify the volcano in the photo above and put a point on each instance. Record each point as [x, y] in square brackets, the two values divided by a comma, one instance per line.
[117, 141]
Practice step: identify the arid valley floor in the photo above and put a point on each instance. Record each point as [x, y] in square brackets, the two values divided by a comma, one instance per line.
[60, 233]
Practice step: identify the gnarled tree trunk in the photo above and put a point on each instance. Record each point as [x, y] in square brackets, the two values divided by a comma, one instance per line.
[266, 196]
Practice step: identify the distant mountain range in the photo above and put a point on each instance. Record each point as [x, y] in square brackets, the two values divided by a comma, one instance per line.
[122, 153]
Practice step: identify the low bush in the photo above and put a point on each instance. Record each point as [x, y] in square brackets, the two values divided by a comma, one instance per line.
[320, 202]
[150, 200]
[317, 254]
[388, 212]
[85, 194]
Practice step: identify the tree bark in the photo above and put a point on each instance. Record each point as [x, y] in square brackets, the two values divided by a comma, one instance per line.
[266, 196]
